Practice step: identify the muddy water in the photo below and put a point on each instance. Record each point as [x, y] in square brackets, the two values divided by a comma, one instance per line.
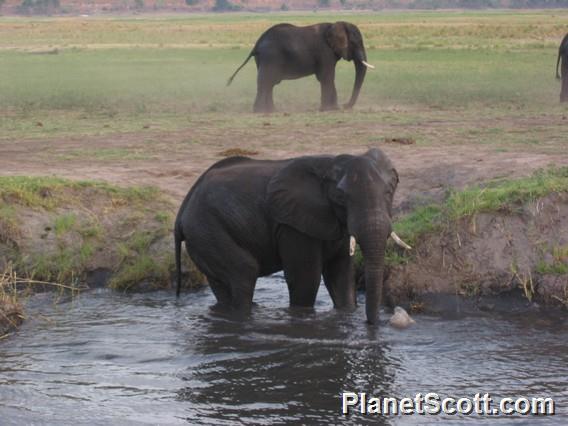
[107, 358]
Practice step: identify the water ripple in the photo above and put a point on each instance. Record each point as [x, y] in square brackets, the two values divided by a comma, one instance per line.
[107, 358]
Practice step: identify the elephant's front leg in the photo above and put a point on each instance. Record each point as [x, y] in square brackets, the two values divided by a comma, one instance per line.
[328, 90]
[338, 276]
[564, 71]
[302, 263]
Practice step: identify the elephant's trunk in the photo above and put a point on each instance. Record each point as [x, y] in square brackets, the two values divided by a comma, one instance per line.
[360, 71]
[374, 270]
[372, 238]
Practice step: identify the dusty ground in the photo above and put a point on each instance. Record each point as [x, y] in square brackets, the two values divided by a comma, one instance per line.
[172, 160]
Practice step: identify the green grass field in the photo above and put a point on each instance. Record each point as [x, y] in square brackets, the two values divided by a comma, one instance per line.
[168, 69]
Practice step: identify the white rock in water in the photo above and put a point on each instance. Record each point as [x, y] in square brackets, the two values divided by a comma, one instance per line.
[400, 319]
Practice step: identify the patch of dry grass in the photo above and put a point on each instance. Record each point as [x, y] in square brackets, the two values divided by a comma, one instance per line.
[237, 152]
[11, 311]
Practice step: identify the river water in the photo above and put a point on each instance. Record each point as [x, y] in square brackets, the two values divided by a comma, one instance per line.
[109, 358]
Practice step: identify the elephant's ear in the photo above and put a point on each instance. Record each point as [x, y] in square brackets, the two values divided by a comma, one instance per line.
[336, 37]
[385, 167]
[296, 197]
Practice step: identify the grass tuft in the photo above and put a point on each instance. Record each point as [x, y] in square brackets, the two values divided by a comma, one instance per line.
[64, 224]
[11, 311]
[9, 224]
[139, 269]
[557, 265]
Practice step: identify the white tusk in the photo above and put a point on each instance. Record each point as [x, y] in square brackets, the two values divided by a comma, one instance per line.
[352, 244]
[368, 65]
[401, 243]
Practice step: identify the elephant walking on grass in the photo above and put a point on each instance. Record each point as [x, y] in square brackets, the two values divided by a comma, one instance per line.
[563, 54]
[288, 52]
[247, 218]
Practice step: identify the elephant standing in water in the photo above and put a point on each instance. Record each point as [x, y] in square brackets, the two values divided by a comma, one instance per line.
[247, 218]
[563, 54]
[287, 52]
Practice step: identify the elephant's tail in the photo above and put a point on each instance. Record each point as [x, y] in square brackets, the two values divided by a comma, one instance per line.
[251, 54]
[178, 238]
[558, 63]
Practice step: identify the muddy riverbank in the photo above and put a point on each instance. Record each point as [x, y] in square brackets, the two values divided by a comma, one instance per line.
[519, 255]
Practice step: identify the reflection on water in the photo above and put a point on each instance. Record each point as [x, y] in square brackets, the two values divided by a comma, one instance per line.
[107, 358]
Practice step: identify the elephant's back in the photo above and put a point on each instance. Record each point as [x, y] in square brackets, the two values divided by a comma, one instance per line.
[241, 174]
[286, 39]
[239, 186]
[275, 29]
[230, 198]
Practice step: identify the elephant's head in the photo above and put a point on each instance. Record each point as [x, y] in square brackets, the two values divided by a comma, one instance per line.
[346, 41]
[333, 197]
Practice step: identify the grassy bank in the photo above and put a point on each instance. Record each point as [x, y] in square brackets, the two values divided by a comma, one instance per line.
[505, 237]
[493, 197]
[60, 231]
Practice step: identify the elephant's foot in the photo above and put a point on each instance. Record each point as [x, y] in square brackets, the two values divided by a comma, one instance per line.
[220, 307]
[301, 311]
[345, 306]
[263, 107]
[263, 110]
[231, 312]
[221, 310]
[331, 107]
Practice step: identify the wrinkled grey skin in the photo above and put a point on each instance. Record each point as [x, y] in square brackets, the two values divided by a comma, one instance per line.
[247, 218]
[287, 52]
[563, 54]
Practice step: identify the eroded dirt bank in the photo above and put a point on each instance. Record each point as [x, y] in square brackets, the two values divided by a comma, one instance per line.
[519, 255]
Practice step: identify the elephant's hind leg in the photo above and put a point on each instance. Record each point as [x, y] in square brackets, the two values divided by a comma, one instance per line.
[230, 269]
[264, 87]
[221, 291]
[564, 73]
[302, 263]
[238, 274]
